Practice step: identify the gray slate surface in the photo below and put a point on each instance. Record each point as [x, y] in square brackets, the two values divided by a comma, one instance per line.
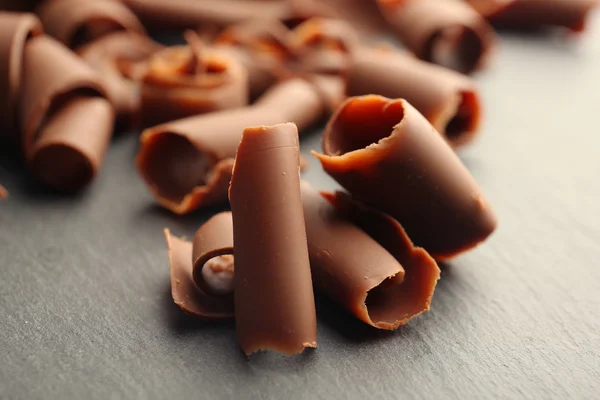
[85, 310]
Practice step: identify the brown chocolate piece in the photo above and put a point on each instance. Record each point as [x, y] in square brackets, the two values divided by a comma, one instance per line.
[183, 81]
[363, 16]
[449, 100]
[60, 96]
[76, 22]
[363, 260]
[181, 14]
[119, 57]
[15, 29]
[571, 14]
[445, 32]
[187, 163]
[274, 302]
[387, 154]
[212, 244]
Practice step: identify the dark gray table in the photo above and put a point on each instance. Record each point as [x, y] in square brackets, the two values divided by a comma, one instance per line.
[85, 309]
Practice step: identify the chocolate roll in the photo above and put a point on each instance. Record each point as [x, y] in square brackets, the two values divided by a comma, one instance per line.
[534, 14]
[449, 100]
[202, 271]
[274, 302]
[189, 80]
[66, 122]
[187, 163]
[76, 22]
[181, 14]
[363, 260]
[444, 32]
[15, 29]
[119, 58]
[388, 155]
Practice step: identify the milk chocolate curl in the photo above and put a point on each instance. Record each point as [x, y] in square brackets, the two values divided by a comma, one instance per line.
[445, 32]
[449, 100]
[187, 163]
[181, 14]
[15, 29]
[76, 22]
[387, 154]
[66, 123]
[363, 260]
[187, 294]
[119, 57]
[534, 14]
[189, 80]
[274, 302]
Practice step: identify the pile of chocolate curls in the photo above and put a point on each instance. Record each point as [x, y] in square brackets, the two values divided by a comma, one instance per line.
[221, 118]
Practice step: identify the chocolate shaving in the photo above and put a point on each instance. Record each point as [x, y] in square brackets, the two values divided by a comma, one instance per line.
[274, 302]
[76, 22]
[449, 100]
[385, 153]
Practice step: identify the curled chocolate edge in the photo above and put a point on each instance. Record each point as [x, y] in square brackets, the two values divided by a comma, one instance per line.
[385, 153]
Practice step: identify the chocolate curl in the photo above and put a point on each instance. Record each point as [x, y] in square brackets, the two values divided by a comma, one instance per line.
[363, 260]
[446, 32]
[76, 22]
[15, 30]
[189, 80]
[535, 14]
[385, 153]
[119, 57]
[202, 271]
[274, 302]
[187, 163]
[60, 96]
[181, 14]
[449, 100]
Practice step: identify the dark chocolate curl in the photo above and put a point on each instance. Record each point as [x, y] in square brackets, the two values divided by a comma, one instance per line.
[187, 163]
[534, 14]
[15, 29]
[445, 32]
[186, 80]
[186, 293]
[363, 260]
[274, 302]
[449, 100]
[387, 154]
[66, 123]
[76, 22]
[119, 58]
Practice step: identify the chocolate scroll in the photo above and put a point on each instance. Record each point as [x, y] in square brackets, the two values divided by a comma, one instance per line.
[445, 32]
[449, 100]
[15, 29]
[274, 302]
[66, 122]
[189, 80]
[76, 22]
[187, 163]
[119, 58]
[387, 154]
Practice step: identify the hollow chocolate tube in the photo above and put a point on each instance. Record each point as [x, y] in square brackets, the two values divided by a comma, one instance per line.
[181, 14]
[66, 122]
[449, 100]
[387, 154]
[187, 163]
[15, 29]
[119, 58]
[534, 14]
[202, 271]
[183, 81]
[274, 301]
[76, 22]
[445, 32]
